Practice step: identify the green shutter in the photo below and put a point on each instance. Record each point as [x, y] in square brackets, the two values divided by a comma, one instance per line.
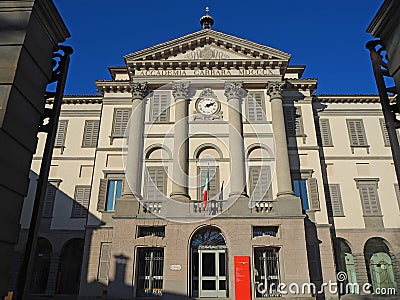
[61, 134]
[159, 107]
[369, 199]
[104, 262]
[255, 107]
[49, 199]
[81, 203]
[121, 118]
[385, 133]
[325, 130]
[260, 183]
[213, 184]
[313, 195]
[156, 183]
[356, 133]
[91, 133]
[101, 204]
[335, 198]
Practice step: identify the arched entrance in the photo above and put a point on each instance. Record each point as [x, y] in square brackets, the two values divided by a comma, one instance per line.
[379, 264]
[41, 267]
[70, 267]
[345, 262]
[208, 263]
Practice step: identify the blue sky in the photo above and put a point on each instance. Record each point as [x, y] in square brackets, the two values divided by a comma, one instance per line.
[328, 36]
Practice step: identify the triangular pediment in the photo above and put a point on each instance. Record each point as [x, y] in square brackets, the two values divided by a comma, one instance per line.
[208, 45]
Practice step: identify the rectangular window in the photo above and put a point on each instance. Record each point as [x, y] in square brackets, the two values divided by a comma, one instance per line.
[114, 191]
[159, 111]
[49, 201]
[266, 271]
[61, 134]
[151, 231]
[81, 203]
[294, 121]
[156, 183]
[260, 183]
[150, 270]
[357, 133]
[104, 263]
[265, 231]
[121, 118]
[255, 107]
[325, 131]
[91, 133]
[300, 190]
[213, 182]
[385, 133]
[369, 198]
[335, 198]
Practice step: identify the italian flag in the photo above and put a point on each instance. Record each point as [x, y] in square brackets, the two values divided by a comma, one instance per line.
[206, 188]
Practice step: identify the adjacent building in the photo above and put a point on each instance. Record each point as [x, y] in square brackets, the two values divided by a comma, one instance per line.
[299, 186]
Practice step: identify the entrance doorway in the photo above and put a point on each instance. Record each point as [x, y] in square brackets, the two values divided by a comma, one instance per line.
[209, 267]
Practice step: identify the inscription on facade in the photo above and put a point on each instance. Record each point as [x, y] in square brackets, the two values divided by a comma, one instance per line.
[208, 72]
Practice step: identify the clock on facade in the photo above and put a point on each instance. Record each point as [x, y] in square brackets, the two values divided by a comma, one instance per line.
[207, 103]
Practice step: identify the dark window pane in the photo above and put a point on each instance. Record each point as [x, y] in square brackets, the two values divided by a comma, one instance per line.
[222, 264]
[208, 264]
[208, 285]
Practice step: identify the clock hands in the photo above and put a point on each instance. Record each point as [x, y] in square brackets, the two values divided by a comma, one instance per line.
[210, 104]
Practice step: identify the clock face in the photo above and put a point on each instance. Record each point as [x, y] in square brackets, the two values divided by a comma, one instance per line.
[207, 106]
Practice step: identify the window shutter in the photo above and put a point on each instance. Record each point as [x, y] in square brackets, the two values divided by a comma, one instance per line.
[255, 107]
[397, 191]
[104, 262]
[213, 184]
[335, 198]
[49, 201]
[325, 130]
[312, 187]
[159, 107]
[369, 199]
[121, 118]
[156, 183]
[294, 122]
[385, 133]
[101, 204]
[91, 133]
[61, 133]
[81, 203]
[357, 133]
[260, 183]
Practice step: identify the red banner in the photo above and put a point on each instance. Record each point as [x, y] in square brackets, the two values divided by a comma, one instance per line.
[242, 278]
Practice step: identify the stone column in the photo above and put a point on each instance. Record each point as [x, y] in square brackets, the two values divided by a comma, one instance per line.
[53, 274]
[274, 90]
[134, 161]
[180, 91]
[233, 93]
[361, 270]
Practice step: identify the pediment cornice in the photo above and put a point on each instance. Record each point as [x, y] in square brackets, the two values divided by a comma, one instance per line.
[238, 48]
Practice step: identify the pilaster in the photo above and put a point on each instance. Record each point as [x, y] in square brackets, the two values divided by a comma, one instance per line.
[180, 91]
[234, 95]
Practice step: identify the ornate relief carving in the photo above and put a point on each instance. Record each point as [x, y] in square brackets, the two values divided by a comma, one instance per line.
[233, 90]
[208, 93]
[274, 89]
[180, 90]
[138, 90]
[207, 53]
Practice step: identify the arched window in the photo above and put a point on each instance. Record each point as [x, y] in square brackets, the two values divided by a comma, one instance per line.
[345, 262]
[40, 274]
[379, 264]
[69, 272]
[208, 263]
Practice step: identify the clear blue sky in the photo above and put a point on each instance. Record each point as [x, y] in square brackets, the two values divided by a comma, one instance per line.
[328, 36]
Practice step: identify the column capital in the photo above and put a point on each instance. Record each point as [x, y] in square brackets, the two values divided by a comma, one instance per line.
[138, 90]
[233, 90]
[180, 90]
[274, 89]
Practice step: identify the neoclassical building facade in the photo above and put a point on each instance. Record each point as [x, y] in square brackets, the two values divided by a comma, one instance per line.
[299, 186]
